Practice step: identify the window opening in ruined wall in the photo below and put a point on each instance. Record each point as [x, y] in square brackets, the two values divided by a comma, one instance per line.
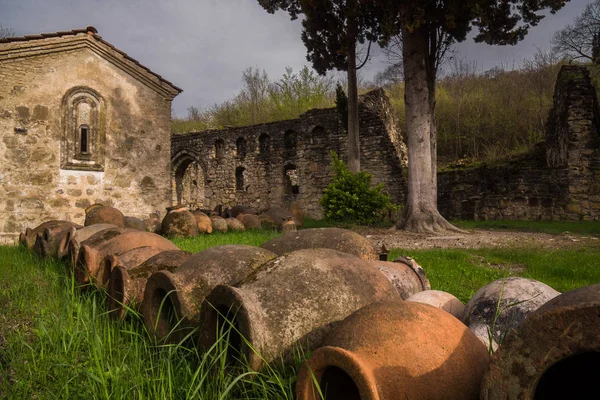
[291, 179]
[241, 148]
[82, 143]
[264, 144]
[239, 178]
[219, 149]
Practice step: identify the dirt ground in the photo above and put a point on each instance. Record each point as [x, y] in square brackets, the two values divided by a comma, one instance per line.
[477, 238]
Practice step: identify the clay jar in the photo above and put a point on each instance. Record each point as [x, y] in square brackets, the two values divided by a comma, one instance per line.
[250, 221]
[502, 305]
[108, 242]
[128, 259]
[173, 296]
[179, 221]
[47, 243]
[78, 235]
[234, 225]
[28, 237]
[328, 238]
[293, 300]
[396, 350]
[135, 223]
[203, 221]
[99, 214]
[219, 224]
[405, 274]
[127, 282]
[553, 354]
[442, 300]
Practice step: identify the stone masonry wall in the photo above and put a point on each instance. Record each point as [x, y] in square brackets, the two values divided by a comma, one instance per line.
[283, 162]
[560, 180]
[134, 173]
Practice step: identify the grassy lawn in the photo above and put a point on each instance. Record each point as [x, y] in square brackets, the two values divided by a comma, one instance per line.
[553, 227]
[57, 342]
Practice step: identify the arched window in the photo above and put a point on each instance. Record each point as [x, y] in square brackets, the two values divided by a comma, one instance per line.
[264, 144]
[83, 135]
[219, 149]
[239, 178]
[289, 143]
[240, 146]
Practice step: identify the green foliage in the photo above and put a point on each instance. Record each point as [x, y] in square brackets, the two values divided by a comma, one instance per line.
[350, 197]
[341, 104]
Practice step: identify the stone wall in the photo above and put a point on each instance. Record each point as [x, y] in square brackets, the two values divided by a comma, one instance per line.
[560, 180]
[48, 87]
[284, 162]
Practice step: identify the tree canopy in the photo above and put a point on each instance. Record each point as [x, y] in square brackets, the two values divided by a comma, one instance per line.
[580, 39]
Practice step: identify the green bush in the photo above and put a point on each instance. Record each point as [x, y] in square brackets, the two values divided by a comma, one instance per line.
[350, 197]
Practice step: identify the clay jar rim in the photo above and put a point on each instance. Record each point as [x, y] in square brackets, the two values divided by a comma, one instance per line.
[161, 327]
[325, 357]
[231, 298]
[81, 271]
[118, 292]
[62, 248]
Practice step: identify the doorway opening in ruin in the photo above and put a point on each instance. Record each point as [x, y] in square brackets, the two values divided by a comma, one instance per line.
[291, 179]
[188, 183]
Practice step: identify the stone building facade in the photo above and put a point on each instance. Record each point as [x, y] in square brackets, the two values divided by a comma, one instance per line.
[560, 180]
[279, 163]
[80, 123]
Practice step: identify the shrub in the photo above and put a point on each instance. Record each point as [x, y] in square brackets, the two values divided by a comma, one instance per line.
[350, 197]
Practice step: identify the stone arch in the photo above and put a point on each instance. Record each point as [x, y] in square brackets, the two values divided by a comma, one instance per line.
[188, 179]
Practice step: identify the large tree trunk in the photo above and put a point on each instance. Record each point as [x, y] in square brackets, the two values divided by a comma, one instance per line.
[353, 138]
[421, 214]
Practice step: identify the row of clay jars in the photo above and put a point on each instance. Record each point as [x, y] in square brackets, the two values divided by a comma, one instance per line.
[172, 299]
[28, 238]
[129, 275]
[293, 300]
[396, 350]
[54, 242]
[108, 242]
[553, 354]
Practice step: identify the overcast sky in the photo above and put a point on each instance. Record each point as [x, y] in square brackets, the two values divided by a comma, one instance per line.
[203, 46]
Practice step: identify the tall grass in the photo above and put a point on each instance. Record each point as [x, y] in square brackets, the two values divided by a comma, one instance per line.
[58, 342]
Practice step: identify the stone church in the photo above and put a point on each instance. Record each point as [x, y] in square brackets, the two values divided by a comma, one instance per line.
[81, 122]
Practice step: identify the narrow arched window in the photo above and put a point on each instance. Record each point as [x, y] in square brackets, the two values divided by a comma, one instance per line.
[84, 139]
[239, 178]
[219, 149]
[240, 146]
[264, 143]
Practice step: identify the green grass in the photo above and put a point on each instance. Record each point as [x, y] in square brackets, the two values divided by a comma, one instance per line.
[553, 227]
[464, 271]
[57, 342]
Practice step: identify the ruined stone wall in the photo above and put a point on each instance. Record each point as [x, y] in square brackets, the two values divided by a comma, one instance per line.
[560, 180]
[283, 162]
[128, 165]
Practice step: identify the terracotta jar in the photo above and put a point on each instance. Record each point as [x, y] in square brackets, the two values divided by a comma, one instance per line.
[179, 221]
[235, 225]
[172, 299]
[502, 305]
[135, 223]
[107, 242]
[219, 224]
[203, 222]
[47, 243]
[78, 235]
[100, 214]
[407, 276]
[553, 354]
[127, 259]
[250, 221]
[442, 300]
[127, 282]
[28, 237]
[293, 300]
[328, 238]
[396, 350]
[95, 239]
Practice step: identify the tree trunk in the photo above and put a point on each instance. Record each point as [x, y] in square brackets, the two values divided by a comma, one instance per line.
[421, 214]
[353, 138]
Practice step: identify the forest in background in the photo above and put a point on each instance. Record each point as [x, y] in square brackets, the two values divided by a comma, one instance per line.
[481, 116]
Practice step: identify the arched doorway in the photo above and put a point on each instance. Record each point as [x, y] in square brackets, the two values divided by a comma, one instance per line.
[188, 181]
